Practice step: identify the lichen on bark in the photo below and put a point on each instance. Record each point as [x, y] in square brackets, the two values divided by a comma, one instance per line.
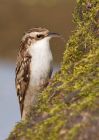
[68, 109]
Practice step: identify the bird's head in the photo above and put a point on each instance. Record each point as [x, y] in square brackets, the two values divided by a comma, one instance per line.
[38, 35]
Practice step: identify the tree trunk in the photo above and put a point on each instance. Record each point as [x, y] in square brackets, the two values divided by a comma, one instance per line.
[68, 108]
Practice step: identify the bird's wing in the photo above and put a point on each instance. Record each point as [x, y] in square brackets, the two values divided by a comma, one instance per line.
[22, 78]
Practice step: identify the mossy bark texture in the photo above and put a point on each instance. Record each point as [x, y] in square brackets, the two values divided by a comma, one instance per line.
[68, 109]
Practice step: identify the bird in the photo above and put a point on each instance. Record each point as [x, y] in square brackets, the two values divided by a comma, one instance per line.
[34, 66]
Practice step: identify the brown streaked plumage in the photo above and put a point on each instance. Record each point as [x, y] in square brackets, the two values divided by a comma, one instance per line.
[28, 63]
[23, 65]
[22, 77]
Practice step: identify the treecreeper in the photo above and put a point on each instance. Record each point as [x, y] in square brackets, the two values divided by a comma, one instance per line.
[33, 67]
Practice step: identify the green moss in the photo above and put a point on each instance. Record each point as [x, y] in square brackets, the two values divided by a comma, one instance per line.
[72, 134]
[70, 102]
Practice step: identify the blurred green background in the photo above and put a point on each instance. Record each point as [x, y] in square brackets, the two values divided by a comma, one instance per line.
[16, 17]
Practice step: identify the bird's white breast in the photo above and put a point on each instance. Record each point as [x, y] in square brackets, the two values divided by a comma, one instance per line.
[41, 61]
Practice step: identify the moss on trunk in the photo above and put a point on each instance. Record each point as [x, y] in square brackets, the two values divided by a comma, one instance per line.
[68, 108]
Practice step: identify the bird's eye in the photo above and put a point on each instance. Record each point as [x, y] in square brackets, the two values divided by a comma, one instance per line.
[40, 36]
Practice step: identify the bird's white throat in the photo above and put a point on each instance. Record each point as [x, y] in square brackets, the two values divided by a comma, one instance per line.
[41, 61]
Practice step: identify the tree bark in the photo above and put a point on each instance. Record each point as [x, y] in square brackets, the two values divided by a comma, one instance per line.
[68, 109]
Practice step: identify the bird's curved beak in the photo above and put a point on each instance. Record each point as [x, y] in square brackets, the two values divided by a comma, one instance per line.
[52, 34]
